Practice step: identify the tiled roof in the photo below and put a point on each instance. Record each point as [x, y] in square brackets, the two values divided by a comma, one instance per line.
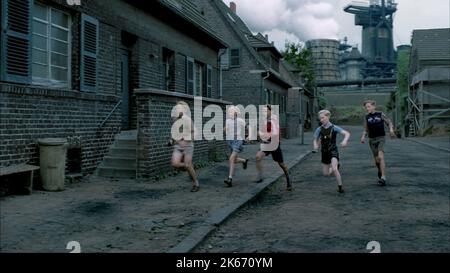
[432, 44]
[190, 12]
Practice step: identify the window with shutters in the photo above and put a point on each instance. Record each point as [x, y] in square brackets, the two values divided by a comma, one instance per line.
[235, 57]
[168, 69]
[199, 82]
[51, 47]
[190, 75]
[225, 59]
[15, 41]
[89, 52]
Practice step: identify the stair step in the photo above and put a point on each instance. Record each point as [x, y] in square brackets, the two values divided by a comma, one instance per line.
[122, 151]
[104, 171]
[126, 162]
[126, 143]
[128, 135]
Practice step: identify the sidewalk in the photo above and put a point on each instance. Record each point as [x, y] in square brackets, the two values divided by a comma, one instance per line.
[128, 216]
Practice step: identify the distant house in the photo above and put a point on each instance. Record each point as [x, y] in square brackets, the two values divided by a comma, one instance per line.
[252, 67]
[429, 98]
[71, 71]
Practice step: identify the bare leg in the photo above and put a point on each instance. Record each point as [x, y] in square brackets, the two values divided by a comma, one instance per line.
[334, 166]
[285, 169]
[190, 168]
[259, 156]
[177, 158]
[326, 169]
[382, 163]
[233, 159]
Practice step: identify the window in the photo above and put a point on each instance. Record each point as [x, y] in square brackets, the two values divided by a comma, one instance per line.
[168, 69]
[199, 84]
[198, 78]
[225, 59]
[51, 47]
[190, 76]
[235, 57]
[207, 81]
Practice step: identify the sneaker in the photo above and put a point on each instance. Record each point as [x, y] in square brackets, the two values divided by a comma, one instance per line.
[340, 189]
[382, 182]
[195, 188]
[228, 182]
[244, 165]
[258, 181]
[289, 187]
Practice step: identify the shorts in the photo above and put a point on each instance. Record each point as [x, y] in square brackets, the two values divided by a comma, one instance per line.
[277, 155]
[328, 155]
[185, 150]
[236, 145]
[377, 144]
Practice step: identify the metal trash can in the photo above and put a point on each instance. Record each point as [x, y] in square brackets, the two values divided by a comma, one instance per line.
[52, 153]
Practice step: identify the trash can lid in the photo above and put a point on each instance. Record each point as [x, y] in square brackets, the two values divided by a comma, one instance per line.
[52, 141]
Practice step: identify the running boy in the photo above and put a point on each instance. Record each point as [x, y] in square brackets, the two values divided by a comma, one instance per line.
[374, 127]
[272, 133]
[184, 146]
[326, 135]
[235, 132]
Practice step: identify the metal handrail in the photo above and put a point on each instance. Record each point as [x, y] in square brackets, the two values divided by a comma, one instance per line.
[110, 113]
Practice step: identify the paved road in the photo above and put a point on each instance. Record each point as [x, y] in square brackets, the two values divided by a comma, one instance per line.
[411, 214]
[124, 215]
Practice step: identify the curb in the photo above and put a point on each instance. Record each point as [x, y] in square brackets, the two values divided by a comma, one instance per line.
[218, 217]
[429, 145]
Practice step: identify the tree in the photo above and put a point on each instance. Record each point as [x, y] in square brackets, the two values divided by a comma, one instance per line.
[300, 57]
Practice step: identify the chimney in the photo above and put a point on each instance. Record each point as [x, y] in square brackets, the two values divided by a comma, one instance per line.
[233, 7]
[267, 37]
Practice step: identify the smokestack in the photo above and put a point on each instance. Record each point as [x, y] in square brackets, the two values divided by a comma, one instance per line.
[233, 7]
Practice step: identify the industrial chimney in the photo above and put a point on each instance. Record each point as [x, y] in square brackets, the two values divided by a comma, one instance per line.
[233, 7]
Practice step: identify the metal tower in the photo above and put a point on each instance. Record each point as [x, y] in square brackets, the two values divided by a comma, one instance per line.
[376, 19]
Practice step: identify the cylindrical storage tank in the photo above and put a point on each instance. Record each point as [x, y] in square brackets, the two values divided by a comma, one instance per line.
[325, 57]
[52, 159]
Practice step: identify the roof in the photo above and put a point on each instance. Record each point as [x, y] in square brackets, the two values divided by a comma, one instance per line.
[252, 41]
[189, 11]
[185, 10]
[430, 47]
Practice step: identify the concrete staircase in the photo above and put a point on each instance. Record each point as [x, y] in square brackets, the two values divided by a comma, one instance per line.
[120, 162]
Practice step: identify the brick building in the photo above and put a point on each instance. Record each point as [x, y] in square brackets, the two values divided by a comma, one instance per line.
[253, 69]
[70, 71]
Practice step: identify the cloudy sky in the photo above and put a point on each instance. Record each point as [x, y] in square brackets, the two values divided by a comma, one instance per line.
[301, 20]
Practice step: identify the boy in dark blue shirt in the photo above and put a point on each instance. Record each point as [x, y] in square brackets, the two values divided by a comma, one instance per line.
[374, 127]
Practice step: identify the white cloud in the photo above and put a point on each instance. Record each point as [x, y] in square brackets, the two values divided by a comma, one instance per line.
[301, 20]
[292, 20]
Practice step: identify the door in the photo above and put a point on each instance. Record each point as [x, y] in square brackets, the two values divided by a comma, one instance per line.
[125, 96]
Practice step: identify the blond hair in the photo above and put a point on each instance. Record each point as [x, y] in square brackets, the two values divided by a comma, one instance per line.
[234, 110]
[325, 112]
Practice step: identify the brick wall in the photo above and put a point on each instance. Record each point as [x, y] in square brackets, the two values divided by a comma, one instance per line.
[154, 125]
[28, 113]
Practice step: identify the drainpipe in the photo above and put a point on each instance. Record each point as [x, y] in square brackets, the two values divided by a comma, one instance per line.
[262, 82]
